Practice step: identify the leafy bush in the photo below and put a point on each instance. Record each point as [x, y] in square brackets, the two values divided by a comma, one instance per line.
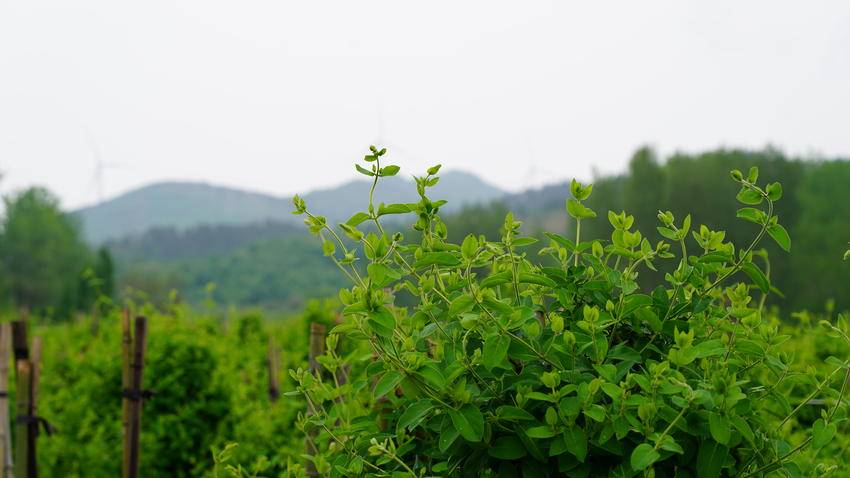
[507, 366]
[210, 379]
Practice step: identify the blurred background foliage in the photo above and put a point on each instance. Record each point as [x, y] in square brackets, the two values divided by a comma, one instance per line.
[274, 265]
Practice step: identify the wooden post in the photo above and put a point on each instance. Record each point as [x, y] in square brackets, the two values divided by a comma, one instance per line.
[126, 357]
[25, 425]
[35, 377]
[19, 340]
[274, 367]
[5, 430]
[317, 348]
[22, 399]
[136, 395]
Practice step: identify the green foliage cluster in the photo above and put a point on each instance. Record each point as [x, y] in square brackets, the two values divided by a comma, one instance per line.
[44, 265]
[209, 376]
[506, 365]
[249, 265]
[277, 269]
[815, 201]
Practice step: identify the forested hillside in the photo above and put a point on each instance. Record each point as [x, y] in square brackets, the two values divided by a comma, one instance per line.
[816, 197]
[185, 205]
[272, 263]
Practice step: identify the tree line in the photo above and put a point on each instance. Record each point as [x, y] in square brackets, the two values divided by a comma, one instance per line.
[815, 206]
[45, 265]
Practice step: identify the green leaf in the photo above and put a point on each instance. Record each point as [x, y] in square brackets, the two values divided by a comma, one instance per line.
[414, 414]
[529, 278]
[774, 191]
[670, 444]
[720, 429]
[576, 442]
[469, 247]
[540, 432]
[686, 226]
[497, 279]
[561, 240]
[432, 375]
[578, 210]
[749, 196]
[743, 428]
[753, 175]
[390, 170]
[710, 348]
[710, 459]
[509, 412]
[524, 241]
[385, 209]
[717, 256]
[822, 433]
[507, 448]
[448, 435]
[752, 214]
[643, 456]
[328, 248]
[382, 321]
[495, 350]
[363, 170]
[461, 305]
[351, 232]
[437, 258]
[668, 233]
[469, 422]
[780, 235]
[757, 276]
[580, 191]
[380, 273]
[595, 412]
[387, 383]
[357, 219]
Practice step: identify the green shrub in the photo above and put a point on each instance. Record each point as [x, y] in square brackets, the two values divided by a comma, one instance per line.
[210, 379]
[189, 409]
[509, 366]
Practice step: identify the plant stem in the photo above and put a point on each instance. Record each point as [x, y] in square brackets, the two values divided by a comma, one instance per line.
[578, 237]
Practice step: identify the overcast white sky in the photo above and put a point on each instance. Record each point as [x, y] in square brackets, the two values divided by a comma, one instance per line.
[282, 97]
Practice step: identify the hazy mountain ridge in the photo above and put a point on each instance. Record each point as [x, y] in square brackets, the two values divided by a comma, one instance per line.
[184, 205]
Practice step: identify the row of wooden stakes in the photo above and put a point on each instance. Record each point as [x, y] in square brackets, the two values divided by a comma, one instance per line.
[20, 460]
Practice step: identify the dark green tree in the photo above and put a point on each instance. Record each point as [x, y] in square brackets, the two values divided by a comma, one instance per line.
[645, 187]
[41, 252]
[821, 235]
[104, 269]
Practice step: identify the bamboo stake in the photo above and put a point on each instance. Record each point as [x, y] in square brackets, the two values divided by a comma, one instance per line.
[19, 340]
[140, 338]
[317, 348]
[5, 430]
[35, 377]
[22, 399]
[126, 357]
[23, 393]
[274, 367]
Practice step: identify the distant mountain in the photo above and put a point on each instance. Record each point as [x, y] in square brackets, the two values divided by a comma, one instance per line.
[183, 205]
